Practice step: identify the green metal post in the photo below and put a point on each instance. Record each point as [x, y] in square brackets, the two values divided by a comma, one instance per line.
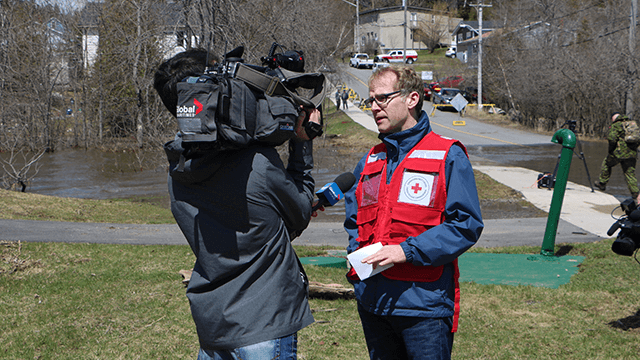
[567, 139]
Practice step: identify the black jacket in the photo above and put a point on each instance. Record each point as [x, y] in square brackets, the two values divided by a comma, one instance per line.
[236, 210]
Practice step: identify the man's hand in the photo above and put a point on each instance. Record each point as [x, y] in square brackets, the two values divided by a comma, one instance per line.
[314, 116]
[389, 254]
[321, 208]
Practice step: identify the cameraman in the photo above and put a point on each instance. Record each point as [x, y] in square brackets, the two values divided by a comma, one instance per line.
[248, 290]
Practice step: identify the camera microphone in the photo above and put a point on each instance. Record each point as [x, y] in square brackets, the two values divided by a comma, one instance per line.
[332, 192]
[613, 228]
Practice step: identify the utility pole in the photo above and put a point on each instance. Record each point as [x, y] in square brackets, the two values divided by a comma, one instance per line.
[404, 50]
[479, 9]
[357, 22]
[632, 50]
[355, 28]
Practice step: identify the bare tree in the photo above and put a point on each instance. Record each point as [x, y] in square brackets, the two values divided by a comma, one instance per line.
[556, 60]
[437, 28]
[32, 76]
[20, 166]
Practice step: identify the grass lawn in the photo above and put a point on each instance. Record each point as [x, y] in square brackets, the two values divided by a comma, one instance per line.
[91, 301]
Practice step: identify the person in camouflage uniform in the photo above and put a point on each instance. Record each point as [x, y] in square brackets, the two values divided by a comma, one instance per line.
[620, 152]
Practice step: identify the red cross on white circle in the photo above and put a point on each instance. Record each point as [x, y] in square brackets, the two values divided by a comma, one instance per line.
[416, 188]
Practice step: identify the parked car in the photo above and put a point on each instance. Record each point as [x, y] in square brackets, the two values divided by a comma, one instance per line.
[429, 88]
[445, 95]
[451, 52]
[471, 94]
[452, 81]
[398, 56]
[361, 60]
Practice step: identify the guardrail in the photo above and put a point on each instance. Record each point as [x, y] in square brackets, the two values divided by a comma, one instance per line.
[492, 106]
[353, 96]
[462, 112]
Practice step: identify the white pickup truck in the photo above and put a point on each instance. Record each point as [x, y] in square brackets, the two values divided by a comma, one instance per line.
[361, 60]
[398, 56]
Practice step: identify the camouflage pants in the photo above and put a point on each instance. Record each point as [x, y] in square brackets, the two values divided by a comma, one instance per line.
[628, 167]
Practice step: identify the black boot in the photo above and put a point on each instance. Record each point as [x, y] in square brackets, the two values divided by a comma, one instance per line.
[600, 186]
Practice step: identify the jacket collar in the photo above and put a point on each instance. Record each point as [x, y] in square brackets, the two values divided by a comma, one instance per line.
[405, 140]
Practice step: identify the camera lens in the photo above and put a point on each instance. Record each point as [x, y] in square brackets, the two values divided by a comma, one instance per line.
[624, 246]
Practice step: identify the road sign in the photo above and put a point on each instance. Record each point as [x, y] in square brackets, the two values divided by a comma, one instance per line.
[459, 102]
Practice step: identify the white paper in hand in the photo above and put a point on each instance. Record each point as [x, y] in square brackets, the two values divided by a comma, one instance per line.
[366, 270]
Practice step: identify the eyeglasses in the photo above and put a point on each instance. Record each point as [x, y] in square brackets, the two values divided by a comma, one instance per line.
[382, 100]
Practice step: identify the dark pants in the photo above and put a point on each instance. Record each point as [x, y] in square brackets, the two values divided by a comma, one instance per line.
[404, 337]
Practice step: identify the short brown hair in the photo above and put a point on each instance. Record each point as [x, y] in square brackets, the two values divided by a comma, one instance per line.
[408, 81]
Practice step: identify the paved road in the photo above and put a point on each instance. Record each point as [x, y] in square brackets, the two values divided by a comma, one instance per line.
[514, 232]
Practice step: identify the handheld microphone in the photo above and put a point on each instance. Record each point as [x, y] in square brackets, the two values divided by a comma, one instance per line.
[332, 192]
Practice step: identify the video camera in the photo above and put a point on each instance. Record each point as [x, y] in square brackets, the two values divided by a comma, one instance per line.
[628, 240]
[233, 105]
[571, 125]
[292, 60]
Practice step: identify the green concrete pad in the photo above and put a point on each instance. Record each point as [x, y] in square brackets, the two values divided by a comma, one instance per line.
[325, 261]
[518, 269]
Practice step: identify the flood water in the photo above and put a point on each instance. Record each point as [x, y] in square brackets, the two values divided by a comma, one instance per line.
[98, 175]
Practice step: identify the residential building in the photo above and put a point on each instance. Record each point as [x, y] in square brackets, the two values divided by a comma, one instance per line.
[465, 39]
[383, 29]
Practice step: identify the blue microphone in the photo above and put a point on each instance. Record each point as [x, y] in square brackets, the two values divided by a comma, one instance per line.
[332, 192]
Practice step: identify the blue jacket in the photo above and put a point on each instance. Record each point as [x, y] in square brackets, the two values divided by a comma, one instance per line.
[437, 246]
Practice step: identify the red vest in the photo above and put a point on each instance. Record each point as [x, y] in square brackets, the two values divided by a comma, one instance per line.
[412, 202]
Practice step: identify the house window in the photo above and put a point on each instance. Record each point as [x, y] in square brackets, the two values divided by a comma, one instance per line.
[433, 19]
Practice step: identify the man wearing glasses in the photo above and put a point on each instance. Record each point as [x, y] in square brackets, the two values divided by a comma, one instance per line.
[417, 196]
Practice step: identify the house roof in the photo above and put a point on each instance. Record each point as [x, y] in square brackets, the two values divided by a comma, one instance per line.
[486, 26]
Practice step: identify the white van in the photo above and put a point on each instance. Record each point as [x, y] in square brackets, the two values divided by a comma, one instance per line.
[451, 52]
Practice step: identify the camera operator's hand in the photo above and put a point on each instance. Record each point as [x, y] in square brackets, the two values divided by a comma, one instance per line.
[315, 212]
[314, 116]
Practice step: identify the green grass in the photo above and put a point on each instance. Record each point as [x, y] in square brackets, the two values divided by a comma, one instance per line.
[27, 206]
[92, 301]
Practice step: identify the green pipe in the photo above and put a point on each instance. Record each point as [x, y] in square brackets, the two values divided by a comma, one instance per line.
[567, 139]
